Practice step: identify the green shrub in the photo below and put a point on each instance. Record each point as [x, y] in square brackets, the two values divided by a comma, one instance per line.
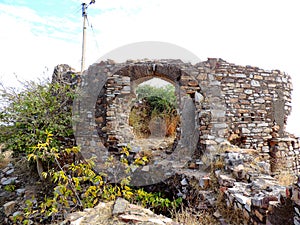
[166, 92]
[29, 114]
[77, 186]
[37, 122]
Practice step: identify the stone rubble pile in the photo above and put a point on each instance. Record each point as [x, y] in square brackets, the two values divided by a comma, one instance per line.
[242, 182]
[118, 212]
[248, 188]
[12, 192]
[245, 185]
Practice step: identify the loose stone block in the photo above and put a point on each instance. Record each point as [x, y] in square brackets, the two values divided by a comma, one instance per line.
[9, 207]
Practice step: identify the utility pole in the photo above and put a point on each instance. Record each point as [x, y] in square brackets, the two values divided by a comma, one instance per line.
[84, 15]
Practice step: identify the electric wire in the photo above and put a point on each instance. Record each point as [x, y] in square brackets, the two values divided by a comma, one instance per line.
[94, 34]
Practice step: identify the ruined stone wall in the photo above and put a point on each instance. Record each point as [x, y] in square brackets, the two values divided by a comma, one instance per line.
[256, 100]
[257, 103]
[246, 105]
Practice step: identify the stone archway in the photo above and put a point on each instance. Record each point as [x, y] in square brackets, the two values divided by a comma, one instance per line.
[114, 82]
[118, 105]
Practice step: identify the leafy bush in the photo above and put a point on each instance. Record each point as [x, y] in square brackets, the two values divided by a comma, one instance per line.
[28, 115]
[37, 122]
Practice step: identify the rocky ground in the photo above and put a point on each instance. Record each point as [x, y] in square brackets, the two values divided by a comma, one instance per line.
[233, 188]
[159, 147]
[20, 182]
[120, 212]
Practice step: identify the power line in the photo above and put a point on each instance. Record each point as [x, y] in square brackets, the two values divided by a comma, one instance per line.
[94, 34]
[76, 11]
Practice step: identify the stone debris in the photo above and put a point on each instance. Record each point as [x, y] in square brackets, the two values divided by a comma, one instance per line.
[120, 206]
[8, 180]
[259, 196]
[118, 212]
[9, 207]
[256, 194]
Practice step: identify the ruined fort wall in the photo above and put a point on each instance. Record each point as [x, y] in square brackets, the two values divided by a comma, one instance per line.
[247, 105]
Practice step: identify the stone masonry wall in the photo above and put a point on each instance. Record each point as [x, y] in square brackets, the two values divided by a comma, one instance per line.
[246, 105]
[255, 101]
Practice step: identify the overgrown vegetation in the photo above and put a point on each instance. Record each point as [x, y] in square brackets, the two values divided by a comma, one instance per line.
[37, 122]
[78, 187]
[167, 92]
[154, 102]
[28, 115]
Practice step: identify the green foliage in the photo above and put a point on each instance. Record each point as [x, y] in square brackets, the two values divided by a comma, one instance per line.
[160, 105]
[156, 201]
[77, 186]
[37, 122]
[29, 114]
[44, 151]
[154, 102]
[166, 92]
[160, 99]
[9, 187]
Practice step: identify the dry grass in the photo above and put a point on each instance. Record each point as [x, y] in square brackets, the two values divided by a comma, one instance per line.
[232, 216]
[139, 119]
[286, 178]
[140, 123]
[219, 164]
[188, 216]
[172, 123]
[206, 159]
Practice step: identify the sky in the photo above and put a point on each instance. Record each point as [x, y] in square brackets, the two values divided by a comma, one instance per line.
[37, 35]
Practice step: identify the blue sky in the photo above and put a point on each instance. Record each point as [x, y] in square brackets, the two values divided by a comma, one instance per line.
[37, 35]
